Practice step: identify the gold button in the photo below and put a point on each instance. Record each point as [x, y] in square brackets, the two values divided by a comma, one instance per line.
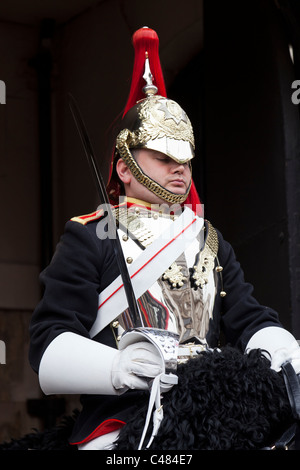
[219, 269]
[223, 293]
[129, 260]
[125, 238]
[115, 324]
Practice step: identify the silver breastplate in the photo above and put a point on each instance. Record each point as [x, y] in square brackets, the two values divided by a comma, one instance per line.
[182, 298]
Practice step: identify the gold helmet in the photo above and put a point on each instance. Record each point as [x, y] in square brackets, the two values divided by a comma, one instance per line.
[151, 120]
[160, 124]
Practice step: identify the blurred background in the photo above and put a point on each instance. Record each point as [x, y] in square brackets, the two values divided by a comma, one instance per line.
[230, 65]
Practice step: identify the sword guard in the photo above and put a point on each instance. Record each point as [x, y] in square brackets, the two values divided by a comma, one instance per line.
[165, 341]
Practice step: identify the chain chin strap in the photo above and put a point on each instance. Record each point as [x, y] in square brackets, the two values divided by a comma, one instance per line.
[126, 139]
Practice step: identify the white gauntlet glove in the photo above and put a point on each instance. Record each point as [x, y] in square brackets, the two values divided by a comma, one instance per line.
[135, 365]
[74, 364]
[280, 344]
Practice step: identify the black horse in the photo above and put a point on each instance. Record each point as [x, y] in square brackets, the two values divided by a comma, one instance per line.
[224, 400]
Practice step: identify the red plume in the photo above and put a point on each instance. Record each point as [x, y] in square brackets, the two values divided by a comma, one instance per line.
[193, 201]
[145, 40]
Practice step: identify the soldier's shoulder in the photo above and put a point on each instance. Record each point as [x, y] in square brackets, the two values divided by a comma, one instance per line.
[88, 218]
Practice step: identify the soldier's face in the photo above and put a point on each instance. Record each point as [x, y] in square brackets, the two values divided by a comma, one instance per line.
[173, 176]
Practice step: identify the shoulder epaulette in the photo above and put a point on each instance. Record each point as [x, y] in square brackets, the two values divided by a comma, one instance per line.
[212, 240]
[85, 219]
[206, 260]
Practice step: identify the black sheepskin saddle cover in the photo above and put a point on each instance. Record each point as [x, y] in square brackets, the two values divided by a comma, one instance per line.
[224, 400]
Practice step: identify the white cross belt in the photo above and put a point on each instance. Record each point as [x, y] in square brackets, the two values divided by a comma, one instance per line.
[148, 267]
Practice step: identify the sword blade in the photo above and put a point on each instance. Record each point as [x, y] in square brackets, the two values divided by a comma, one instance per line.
[86, 142]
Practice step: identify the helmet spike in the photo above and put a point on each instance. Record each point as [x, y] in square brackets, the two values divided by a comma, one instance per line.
[149, 88]
[145, 40]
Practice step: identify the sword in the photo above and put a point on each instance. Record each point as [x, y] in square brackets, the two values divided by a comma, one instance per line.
[86, 142]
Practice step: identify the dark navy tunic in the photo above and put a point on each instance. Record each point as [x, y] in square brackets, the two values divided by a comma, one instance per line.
[82, 266]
